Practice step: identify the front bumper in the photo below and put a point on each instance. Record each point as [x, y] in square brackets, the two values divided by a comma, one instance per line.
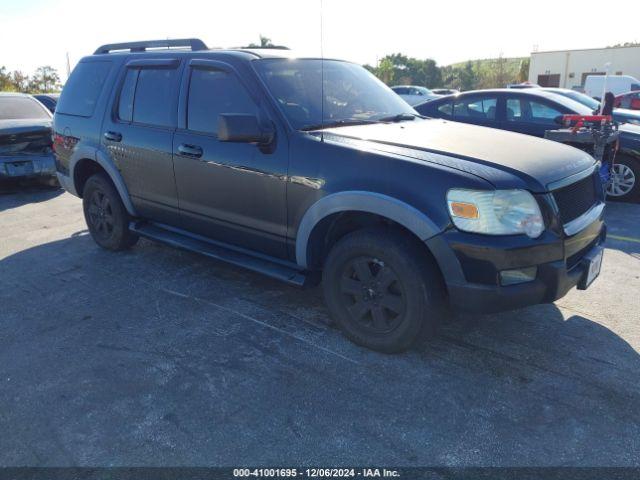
[25, 166]
[472, 266]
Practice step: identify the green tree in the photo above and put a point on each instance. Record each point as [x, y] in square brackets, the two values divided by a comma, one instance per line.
[20, 81]
[523, 71]
[5, 80]
[468, 77]
[45, 80]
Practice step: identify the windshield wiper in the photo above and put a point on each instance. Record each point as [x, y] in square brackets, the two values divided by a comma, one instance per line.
[337, 123]
[400, 117]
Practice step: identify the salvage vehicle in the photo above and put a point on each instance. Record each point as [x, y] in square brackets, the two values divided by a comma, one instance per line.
[25, 138]
[308, 169]
[534, 111]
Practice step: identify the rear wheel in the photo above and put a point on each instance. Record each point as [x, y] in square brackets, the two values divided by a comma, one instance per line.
[382, 289]
[105, 214]
[625, 179]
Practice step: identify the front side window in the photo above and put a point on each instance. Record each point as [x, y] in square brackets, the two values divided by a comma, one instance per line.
[14, 108]
[530, 111]
[154, 96]
[125, 104]
[314, 92]
[480, 108]
[211, 93]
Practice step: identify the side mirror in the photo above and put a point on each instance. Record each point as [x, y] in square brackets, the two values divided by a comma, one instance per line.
[238, 127]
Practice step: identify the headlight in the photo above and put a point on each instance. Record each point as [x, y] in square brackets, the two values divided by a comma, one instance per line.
[495, 212]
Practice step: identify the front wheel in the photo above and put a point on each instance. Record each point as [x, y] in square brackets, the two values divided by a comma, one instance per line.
[624, 184]
[382, 289]
[106, 215]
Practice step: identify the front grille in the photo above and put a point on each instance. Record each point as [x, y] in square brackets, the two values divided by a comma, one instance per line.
[575, 199]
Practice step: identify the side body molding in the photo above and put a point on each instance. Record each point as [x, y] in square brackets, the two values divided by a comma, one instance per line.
[406, 215]
[90, 152]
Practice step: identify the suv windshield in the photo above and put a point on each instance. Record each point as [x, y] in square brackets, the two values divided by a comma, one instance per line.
[351, 93]
[12, 108]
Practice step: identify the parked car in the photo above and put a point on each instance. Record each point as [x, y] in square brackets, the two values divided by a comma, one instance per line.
[630, 100]
[620, 115]
[444, 91]
[617, 84]
[304, 168]
[532, 112]
[25, 137]
[414, 95]
[49, 100]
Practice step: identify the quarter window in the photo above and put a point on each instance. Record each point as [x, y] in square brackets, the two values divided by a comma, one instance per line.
[211, 93]
[83, 88]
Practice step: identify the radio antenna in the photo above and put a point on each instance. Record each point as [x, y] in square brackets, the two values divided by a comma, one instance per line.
[321, 72]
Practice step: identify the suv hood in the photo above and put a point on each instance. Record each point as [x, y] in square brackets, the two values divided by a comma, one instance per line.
[485, 152]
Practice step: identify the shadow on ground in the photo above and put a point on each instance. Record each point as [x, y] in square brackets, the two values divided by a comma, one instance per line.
[161, 357]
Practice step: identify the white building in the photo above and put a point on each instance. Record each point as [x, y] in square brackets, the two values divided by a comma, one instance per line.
[569, 68]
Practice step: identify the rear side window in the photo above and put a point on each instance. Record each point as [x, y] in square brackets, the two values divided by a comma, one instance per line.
[83, 88]
[154, 96]
[212, 92]
[125, 104]
[481, 108]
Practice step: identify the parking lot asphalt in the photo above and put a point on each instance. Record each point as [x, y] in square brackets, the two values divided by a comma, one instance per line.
[161, 357]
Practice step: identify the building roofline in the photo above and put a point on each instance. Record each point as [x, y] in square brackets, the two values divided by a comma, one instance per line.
[586, 49]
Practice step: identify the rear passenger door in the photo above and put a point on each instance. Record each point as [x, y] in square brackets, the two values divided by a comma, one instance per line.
[476, 109]
[230, 192]
[138, 132]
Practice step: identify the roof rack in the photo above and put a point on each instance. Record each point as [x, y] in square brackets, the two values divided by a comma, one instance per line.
[193, 43]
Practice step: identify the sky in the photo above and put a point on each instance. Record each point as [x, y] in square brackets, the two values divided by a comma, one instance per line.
[42, 32]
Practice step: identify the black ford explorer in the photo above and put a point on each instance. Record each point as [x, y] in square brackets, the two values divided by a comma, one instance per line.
[303, 168]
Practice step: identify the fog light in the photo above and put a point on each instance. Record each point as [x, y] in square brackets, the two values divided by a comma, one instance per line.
[518, 275]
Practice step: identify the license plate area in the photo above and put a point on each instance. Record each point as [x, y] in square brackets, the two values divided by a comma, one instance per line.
[592, 265]
[18, 169]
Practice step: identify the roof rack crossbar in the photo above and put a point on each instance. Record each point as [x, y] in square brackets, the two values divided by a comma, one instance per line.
[193, 43]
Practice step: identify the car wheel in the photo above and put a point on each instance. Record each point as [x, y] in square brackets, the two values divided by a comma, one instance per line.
[625, 179]
[105, 214]
[382, 289]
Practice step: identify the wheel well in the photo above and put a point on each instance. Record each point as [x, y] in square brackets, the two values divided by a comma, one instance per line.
[333, 227]
[84, 169]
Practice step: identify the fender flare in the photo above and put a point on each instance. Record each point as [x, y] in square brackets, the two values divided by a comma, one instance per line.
[90, 152]
[400, 212]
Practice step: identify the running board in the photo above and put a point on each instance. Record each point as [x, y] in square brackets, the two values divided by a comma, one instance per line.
[277, 269]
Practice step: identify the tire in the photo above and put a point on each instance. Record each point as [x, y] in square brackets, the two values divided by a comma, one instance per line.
[625, 184]
[106, 217]
[382, 289]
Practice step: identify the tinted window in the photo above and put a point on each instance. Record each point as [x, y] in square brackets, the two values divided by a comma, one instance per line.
[154, 96]
[481, 108]
[530, 111]
[21, 107]
[125, 104]
[446, 109]
[81, 92]
[401, 90]
[212, 92]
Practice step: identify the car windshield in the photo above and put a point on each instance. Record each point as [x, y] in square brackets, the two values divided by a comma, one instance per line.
[14, 108]
[586, 100]
[351, 93]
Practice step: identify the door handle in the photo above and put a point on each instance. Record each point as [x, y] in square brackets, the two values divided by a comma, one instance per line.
[113, 136]
[190, 150]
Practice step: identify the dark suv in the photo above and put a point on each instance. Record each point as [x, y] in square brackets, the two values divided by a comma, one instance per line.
[302, 168]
